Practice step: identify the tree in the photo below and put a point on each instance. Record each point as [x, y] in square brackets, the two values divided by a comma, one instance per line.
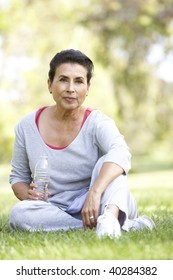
[118, 34]
[126, 32]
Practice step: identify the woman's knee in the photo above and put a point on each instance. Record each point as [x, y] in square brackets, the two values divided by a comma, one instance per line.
[16, 214]
[19, 215]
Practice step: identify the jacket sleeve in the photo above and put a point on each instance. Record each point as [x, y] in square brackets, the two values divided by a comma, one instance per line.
[20, 171]
[112, 143]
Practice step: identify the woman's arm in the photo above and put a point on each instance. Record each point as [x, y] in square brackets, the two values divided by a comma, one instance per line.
[20, 176]
[21, 190]
[108, 173]
[25, 191]
[112, 144]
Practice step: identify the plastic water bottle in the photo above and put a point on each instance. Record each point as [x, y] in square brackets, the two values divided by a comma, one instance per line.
[41, 176]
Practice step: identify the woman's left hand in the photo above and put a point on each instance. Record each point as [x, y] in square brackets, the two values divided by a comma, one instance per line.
[91, 209]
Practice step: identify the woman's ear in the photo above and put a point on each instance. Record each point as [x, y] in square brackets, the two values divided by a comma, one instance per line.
[49, 85]
[87, 90]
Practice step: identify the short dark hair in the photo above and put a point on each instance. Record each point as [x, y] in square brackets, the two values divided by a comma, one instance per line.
[71, 56]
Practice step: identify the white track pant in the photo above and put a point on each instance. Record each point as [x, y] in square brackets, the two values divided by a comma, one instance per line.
[40, 215]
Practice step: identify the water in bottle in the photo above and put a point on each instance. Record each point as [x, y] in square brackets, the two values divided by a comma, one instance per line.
[41, 176]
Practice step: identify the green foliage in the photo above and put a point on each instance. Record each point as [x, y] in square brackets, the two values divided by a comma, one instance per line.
[126, 32]
[118, 35]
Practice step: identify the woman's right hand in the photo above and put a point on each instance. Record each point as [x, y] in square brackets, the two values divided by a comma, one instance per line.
[25, 191]
[33, 194]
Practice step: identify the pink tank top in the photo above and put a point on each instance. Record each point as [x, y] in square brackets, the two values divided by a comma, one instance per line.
[87, 112]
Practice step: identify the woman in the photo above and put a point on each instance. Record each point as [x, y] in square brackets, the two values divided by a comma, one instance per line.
[88, 156]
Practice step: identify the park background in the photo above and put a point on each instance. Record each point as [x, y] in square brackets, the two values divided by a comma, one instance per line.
[131, 45]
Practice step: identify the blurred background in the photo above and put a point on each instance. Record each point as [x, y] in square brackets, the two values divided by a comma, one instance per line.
[131, 45]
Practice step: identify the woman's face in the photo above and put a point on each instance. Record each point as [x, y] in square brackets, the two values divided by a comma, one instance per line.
[69, 87]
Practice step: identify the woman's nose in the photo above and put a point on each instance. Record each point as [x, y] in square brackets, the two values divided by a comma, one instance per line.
[71, 87]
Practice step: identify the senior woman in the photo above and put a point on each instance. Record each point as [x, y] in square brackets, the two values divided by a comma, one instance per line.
[88, 156]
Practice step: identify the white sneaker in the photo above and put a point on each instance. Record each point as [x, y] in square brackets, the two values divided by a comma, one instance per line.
[142, 223]
[108, 225]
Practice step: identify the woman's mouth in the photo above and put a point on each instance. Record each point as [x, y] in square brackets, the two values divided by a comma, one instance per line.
[70, 99]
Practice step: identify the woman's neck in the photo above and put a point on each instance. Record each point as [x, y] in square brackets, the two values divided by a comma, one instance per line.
[67, 115]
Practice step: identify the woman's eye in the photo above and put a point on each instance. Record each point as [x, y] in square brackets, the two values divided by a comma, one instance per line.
[63, 80]
[79, 81]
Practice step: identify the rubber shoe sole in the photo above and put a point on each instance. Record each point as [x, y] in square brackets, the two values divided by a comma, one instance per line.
[142, 222]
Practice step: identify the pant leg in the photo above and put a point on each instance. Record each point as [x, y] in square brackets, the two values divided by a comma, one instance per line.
[117, 193]
[41, 216]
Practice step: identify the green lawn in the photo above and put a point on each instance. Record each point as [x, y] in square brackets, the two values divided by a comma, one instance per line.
[154, 194]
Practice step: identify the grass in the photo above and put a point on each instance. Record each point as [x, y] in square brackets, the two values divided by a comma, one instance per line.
[154, 195]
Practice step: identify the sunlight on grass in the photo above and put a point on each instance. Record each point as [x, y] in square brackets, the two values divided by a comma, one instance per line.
[152, 180]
